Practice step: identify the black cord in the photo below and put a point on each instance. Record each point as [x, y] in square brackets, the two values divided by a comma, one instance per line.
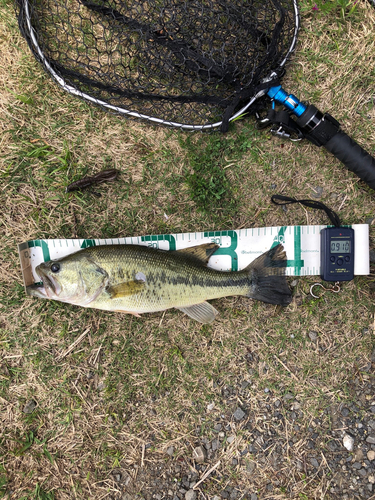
[287, 200]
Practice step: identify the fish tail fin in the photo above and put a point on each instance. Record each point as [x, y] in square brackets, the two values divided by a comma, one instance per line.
[267, 277]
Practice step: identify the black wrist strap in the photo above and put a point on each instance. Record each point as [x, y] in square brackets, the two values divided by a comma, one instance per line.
[279, 199]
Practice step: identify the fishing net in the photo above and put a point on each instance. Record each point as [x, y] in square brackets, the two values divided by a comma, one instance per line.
[194, 64]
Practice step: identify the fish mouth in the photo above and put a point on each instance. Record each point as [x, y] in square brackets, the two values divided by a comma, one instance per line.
[46, 288]
[37, 290]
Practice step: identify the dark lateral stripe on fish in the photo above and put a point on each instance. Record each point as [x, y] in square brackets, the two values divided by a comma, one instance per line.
[194, 280]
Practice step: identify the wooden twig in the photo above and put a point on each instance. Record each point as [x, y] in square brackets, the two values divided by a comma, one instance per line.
[71, 347]
[206, 474]
[286, 368]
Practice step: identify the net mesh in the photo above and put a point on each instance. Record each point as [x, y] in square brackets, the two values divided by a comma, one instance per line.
[186, 62]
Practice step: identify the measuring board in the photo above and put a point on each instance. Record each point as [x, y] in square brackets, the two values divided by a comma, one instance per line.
[237, 248]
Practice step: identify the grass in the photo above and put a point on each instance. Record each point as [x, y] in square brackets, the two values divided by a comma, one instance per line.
[134, 387]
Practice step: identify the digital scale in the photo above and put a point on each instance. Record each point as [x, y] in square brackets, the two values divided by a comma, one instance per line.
[337, 254]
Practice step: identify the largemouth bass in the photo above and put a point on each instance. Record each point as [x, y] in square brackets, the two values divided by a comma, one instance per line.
[138, 279]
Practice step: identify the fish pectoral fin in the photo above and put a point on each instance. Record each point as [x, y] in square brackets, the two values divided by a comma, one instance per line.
[125, 289]
[200, 252]
[203, 312]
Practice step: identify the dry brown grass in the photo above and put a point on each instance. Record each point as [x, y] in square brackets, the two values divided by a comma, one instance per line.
[133, 388]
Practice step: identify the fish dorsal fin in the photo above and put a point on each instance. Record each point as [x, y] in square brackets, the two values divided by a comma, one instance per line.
[200, 252]
[203, 312]
[125, 289]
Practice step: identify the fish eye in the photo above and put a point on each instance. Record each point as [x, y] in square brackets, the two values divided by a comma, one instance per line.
[55, 268]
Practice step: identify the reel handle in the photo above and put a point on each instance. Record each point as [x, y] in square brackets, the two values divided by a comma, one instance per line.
[353, 156]
[324, 130]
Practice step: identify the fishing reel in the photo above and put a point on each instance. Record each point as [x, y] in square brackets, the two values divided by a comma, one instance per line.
[281, 123]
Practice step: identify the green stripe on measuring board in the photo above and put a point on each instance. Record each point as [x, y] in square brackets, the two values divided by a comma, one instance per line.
[237, 248]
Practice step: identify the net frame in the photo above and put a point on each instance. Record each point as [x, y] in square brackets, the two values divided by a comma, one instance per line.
[32, 39]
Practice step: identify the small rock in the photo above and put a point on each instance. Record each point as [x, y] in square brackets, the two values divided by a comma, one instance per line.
[288, 396]
[230, 439]
[190, 495]
[239, 414]
[250, 466]
[314, 463]
[253, 496]
[30, 406]
[244, 384]
[215, 444]
[125, 479]
[210, 407]
[371, 479]
[357, 465]
[316, 192]
[332, 446]
[313, 336]
[371, 455]
[170, 451]
[294, 283]
[371, 439]
[348, 442]
[199, 454]
[345, 412]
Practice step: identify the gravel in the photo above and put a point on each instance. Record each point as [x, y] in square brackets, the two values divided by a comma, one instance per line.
[253, 452]
[239, 414]
[190, 495]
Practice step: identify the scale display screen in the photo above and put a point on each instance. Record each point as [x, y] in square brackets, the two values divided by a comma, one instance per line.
[340, 246]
